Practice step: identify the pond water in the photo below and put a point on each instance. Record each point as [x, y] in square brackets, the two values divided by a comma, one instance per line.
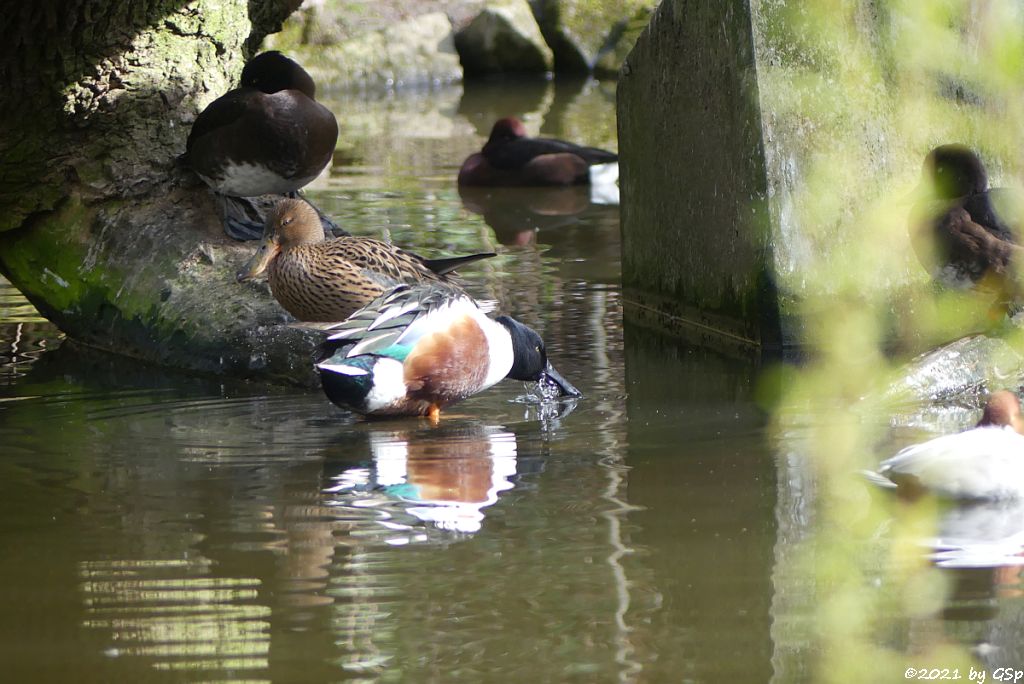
[158, 526]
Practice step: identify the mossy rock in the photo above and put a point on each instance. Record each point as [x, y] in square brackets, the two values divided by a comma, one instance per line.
[503, 38]
[415, 51]
[101, 231]
[589, 35]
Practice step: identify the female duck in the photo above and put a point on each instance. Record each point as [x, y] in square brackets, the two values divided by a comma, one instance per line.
[420, 348]
[985, 462]
[327, 280]
[268, 136]
[956, 231]
[510, 157]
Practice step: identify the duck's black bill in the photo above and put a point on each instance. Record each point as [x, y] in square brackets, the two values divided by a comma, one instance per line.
[565, 388]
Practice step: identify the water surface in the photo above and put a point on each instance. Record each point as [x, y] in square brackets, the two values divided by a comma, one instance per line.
[164, 527]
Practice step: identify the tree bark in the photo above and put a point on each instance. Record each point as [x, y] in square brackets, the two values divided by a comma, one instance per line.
[98, 227]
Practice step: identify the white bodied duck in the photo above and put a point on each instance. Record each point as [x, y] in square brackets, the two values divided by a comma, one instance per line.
[985, 462]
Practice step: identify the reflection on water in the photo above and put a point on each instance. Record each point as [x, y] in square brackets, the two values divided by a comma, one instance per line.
[159, 526]
[445, 477]
[176, 622]
[24, 334]
[980, 534]
[518, 215]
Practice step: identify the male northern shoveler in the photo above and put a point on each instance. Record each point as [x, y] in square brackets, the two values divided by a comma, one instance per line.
[420, 348]
[327, 280]
[510, 157]
[268, 136]
[957, 232]
[985, 462]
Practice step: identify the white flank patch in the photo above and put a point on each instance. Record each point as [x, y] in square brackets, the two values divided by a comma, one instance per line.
[604, 174]
[342, 369]
[605, 194]
[249, 180]
[388, 384]
[604, 183]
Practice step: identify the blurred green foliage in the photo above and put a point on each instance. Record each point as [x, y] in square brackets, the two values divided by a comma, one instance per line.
[860, 91]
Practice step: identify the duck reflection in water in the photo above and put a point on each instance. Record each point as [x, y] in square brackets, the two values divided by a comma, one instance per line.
[444, 476]
[980, 534]
[517, 214]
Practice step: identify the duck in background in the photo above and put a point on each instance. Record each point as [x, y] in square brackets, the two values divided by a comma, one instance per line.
[961, 236]
[268, 136]
[985, 462]
[316, 279]
[511, 157]
[417, 349]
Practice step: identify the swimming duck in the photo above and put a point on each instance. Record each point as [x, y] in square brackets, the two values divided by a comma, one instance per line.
[957, 232]
[417, 349]
[510, 157]
[327, 280]
[268, 136]
[985, 462]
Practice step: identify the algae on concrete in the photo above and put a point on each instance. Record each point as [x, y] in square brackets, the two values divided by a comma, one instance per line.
[695, 235]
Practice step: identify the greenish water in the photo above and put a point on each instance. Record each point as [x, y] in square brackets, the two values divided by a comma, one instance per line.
[162, 527]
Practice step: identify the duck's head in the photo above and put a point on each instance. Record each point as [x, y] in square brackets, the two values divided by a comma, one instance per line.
[271, 72]
[507, 129]
[954, 171]
[1003, 409]
[530, 359]
[292, 222]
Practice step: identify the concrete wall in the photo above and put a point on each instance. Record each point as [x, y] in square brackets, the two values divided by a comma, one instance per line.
[696, 254]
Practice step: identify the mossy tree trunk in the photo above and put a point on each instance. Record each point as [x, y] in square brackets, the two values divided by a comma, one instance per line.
[97, 226]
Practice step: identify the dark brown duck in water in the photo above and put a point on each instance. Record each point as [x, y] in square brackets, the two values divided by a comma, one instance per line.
[960, 236]
[327, 280]
[511, 157]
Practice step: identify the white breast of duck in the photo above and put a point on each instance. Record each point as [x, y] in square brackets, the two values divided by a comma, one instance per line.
[982, 463]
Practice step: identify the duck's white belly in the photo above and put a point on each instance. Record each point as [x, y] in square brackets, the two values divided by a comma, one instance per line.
[251, 180]
[983, 463]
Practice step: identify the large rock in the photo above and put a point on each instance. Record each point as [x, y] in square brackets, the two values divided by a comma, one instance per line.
[98, 229]
[413, 51]
[503, 38]
[591, 36]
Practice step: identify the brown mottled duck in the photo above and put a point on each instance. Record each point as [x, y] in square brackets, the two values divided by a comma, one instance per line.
[327, 280]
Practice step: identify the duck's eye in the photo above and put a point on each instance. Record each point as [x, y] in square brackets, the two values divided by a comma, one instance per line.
[287, 221]
[537, 349]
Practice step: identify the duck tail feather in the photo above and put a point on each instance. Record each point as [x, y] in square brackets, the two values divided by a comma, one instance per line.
[878, 479]
[446, 265]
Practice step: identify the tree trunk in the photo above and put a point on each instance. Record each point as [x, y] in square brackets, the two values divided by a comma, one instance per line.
[98, 227]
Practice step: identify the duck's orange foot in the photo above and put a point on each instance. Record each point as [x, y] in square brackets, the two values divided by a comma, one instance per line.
[434, 414]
